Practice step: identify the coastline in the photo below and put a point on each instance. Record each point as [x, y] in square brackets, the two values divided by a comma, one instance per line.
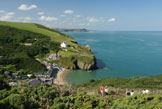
[60, 78]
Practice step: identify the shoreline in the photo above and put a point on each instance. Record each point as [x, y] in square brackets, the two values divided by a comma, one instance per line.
[60, 78]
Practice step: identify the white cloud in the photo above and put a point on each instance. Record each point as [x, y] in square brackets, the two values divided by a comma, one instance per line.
[25, 18]
[40, 13]
[2, 12]
[84, 24]
[62, 15]
[6, 15]
[44, 18]
[92, 19]
[10, 13]
[68, 11]
[112, 20]
[25, 7]
[77, 16]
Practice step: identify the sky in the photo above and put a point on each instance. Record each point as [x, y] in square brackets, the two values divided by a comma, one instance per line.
[109, 15]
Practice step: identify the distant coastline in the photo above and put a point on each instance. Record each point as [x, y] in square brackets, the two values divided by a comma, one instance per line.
[73, 30]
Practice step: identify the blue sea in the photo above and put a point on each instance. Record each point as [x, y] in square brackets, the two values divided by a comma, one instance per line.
[120, 54]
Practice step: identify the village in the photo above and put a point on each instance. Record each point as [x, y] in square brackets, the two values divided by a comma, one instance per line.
[53, 75]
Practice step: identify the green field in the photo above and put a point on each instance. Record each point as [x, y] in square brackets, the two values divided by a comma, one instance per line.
[36, 28]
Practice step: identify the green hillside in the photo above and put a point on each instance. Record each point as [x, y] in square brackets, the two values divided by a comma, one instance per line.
[36, 28]
[78, 97]
[43, 41]
[152, 82]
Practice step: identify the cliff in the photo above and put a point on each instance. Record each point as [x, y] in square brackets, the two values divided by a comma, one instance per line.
[22, 43]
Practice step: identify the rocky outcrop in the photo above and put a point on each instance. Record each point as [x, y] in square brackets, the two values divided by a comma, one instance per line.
[88, 47]
[82, 62]
[87, 65]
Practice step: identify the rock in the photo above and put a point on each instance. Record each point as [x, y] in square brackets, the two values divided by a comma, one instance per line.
[86, 65]
[88, 47]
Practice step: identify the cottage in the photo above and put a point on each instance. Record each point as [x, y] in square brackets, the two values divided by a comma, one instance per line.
[29, 75]
[28, 44]
[64, 45]
[13, 83]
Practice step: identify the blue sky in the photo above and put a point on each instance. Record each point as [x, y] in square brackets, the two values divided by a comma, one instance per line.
[92, 14]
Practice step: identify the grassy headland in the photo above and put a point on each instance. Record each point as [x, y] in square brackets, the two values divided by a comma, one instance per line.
[42, 42]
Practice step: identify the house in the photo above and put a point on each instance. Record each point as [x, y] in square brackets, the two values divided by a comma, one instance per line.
[48, 81]
[28, 44]
[13, 83]
[53, 56]
[29, 75]
[47, 74]
[64, 45]
[34, 82]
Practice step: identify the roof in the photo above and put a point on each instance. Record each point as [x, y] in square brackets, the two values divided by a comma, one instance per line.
[49, 72]
[34, 82]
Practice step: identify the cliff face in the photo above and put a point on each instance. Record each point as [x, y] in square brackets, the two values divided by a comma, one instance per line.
[87, 65]
[79, 62]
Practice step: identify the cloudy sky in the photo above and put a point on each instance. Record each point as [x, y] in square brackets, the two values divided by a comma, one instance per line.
[90, 14]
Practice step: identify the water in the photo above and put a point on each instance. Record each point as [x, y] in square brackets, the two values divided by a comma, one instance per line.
[120, 54]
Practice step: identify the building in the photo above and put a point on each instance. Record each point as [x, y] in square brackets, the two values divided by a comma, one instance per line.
[13, 83]
[64, 45]
[29, 75]
[28, 44]
[34, 82]
[53, 56]
[47, 74]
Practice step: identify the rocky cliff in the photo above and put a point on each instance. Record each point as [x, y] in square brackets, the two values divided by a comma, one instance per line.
[83, 63]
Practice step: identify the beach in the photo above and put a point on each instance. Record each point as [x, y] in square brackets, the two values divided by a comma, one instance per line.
[60, 80]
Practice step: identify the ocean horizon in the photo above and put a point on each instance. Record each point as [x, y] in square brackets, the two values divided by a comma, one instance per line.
[120, 54]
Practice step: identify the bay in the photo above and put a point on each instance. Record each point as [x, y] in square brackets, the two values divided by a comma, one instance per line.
[120, 54]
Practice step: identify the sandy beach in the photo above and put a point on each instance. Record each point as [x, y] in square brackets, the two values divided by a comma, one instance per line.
[60, 78]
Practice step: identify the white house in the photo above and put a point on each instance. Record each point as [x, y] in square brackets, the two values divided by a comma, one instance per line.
[64, 45]
[29, 75]
[13, 84]
[28, 44]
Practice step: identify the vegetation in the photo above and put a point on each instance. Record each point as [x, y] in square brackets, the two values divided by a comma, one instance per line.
[22, 43]
[16, 53]
[153, 82]
[67, 97]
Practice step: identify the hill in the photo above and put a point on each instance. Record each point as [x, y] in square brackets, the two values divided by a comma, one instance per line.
[152, 82]
[23, 44]
[73, 97]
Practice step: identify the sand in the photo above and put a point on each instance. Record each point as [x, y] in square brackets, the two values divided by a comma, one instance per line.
[60, 78]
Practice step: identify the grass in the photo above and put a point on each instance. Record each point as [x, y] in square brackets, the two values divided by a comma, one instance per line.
[44, 41]
[153, 82]
[55, 36]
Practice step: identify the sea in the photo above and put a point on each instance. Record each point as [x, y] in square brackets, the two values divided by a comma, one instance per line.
[120, 54]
